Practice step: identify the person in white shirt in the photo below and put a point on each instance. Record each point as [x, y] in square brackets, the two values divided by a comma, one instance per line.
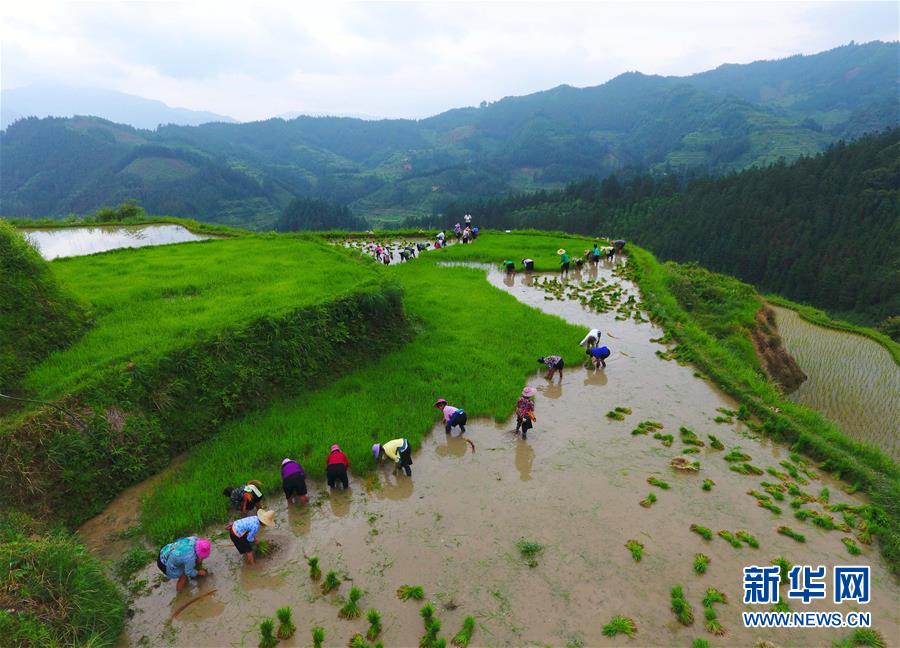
[468, 219]
[591, 340]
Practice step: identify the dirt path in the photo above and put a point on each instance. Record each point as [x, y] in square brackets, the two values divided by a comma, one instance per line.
[573, 486]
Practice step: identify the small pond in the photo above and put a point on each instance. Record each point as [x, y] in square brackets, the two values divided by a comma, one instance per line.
[57, 242]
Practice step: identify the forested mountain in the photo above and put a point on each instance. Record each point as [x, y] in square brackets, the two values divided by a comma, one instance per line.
[726, 119]
[824, 230]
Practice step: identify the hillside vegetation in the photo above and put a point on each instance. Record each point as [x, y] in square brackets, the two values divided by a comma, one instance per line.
[823, 230]
[247, 174]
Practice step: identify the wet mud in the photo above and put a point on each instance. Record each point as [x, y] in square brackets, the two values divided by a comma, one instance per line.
[853, 380]
[574, 486]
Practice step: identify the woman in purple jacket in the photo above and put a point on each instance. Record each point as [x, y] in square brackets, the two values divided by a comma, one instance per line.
[293, 481]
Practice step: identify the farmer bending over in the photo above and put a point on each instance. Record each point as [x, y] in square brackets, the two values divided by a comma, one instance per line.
[243, 532]
[453, 416]
[554, 363]
[244, 498]
[528, 264]
[293, 481]
[336, 467]
[178, 560]
[397, 451]
[598, 356]
[591, 340]
[525, 411]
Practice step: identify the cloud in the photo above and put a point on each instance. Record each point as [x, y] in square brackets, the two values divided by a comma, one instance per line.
[254, 60]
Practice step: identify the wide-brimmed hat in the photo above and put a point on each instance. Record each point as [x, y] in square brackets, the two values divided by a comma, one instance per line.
[267, 517]
[528, 392]
[284, 461]
[202, 548]
[440, 401]
[335, 447]
[560, 251]
[254, 482]
[376, 450]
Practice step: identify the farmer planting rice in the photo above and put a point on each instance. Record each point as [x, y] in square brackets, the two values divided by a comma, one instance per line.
[336, 467]
[554, 363]
[525, 411]
[591, 340]
[598, 356]
[397, 451]
[509, 266]
[244, 498]
[178, 560]
[528, 264]
[243, 532]
[564, 260]
[293, 481]
[453, 416]
[595, 254]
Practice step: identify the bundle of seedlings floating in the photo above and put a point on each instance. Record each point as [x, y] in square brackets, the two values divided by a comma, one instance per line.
[665, 339]
[374, 619]
[784, 567]
[703, 643]
[712, 597]
[315, 573]
[751, 541]
[745, 469]
[653, 481]
[862, 637]
[708, 484]
[777, 473]
[680, 606]
[462, 638]
[689, 438]
[730, 538]
[648, 501]
[350, 609]
[666, 439]
[793, 472]
[267, 638]
[432, 628]
[332, 582]
[286, 627]
[701, 562]
[790, 533]
[714, 443]
[824, 494]
[618, 414]
[822, 520]
[529, 549]
[775, 490]
[769, 505]
[318, 636]
[406, 592]
[684, 464]
[620, 625]
[645, 427]
[727, 415]
[358, 641]
[702, 531]
[636, 549]
[736, 455]
[690, 450]
[852, 547]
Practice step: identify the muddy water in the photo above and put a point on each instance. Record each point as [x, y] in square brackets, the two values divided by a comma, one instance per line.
[573, 486]
[59, 242]
[853, 380]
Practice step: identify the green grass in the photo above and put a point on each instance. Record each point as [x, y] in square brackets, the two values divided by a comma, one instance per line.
[401, 387]
[149, 301]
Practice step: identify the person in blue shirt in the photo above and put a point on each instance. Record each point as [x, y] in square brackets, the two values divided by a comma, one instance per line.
[599, 355]
[178, 560]
[243, 532]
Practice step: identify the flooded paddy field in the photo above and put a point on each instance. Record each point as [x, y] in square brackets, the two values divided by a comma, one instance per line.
[852, 380]
[574, 487]
[59, 242]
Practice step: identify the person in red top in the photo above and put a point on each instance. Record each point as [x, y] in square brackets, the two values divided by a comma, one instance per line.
[336, 467]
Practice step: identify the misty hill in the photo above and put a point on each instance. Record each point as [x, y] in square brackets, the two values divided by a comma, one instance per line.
[727, 119]
[68, 101]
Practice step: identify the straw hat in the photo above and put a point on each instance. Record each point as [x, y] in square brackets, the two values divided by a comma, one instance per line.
[560, 251]
[266, 517]
[254, 482]
[440, 401]
[202, 548]
[528, 392]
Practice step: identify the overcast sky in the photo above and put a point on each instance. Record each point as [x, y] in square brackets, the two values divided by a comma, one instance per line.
[252, 60]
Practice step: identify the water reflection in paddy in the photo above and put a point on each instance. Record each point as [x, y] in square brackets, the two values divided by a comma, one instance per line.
[77, 241]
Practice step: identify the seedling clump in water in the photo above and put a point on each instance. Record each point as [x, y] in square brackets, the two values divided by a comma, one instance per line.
[749, 539]
[714, 443]
[620, 624]
[315, 573]
[708, 484]
[318, 636]
[736, 455]
[729, 537]
[701, 562]
[645, 427]
[852, 547]
[688, 437]
[464, 636]
[407, 592]
[681, 607]
[648, 501]
[267, 637]
[615, 415]
[862, 637]
[351, 610]
[784, 566]
[746, 469]
[703, 531]
[286, 627]
[374, 620]
[666, 439]
[529, 550]
[768, 505]
[332, 582]
[790, 533]
[653, 481]
[636, 549]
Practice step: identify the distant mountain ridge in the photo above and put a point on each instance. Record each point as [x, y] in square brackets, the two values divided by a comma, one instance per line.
[726, 119]
[70, 101]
